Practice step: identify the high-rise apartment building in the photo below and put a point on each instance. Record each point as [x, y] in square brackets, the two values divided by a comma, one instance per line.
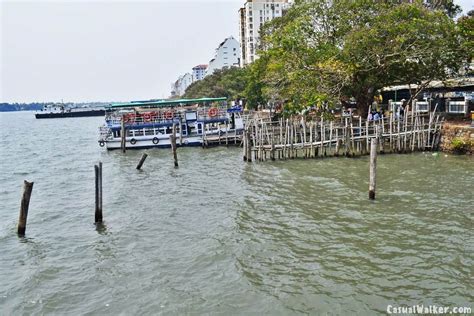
[253, 14]
[199, 72]
[227, 55]
[178, 88]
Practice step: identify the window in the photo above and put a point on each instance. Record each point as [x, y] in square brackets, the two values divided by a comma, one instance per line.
[277, 11]
[457, 107]
[251, 26]
[421, 106]
[277, 5]
[235, 49]
[149, 132]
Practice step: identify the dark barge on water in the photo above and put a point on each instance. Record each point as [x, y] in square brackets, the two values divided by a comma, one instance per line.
[59, 111]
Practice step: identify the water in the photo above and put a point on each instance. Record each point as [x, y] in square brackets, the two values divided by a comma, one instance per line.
[219, 236]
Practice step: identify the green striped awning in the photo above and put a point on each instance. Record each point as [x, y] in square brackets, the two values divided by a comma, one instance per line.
[165, 103]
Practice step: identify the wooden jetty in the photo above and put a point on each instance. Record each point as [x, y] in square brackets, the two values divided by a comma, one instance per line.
[313, 136]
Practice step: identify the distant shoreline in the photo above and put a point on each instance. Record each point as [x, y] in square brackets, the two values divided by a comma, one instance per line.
[37, 106]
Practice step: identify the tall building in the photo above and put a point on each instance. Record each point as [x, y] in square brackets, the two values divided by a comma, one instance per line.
[178, 88]
[253, 14]
[199, 72]
[227, 55]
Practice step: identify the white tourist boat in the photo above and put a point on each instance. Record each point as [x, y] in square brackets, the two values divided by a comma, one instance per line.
[149, 124]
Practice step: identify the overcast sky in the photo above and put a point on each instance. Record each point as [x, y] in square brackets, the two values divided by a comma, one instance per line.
[108, 50]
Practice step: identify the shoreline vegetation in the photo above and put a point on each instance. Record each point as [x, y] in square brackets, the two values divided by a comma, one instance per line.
[326, 54]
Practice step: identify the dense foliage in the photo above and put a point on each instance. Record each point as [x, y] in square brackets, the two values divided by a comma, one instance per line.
[230, 83]
[323, 52]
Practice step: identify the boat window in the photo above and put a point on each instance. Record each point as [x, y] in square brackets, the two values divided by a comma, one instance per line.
[149, 132]
[199, 128]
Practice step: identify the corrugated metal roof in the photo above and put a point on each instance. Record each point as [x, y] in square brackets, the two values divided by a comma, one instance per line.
[165, 103]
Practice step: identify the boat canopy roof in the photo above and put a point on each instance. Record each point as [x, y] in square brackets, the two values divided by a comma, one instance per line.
[165, 103]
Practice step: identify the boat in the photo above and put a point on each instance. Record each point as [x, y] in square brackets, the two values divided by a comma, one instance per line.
[60, 110]
[194, 122]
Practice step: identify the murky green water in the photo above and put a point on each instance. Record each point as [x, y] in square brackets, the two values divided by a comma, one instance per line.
[219, 236]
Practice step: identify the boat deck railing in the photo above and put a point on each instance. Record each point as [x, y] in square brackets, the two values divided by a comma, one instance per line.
[161, 116]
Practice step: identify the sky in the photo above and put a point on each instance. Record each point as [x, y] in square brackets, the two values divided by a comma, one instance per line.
[109, 50]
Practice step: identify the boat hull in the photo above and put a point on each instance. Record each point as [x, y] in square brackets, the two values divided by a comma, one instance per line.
[70, 114]
[148, 143]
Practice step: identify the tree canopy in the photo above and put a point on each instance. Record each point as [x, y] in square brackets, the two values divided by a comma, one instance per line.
[229, 82]
[322, 52]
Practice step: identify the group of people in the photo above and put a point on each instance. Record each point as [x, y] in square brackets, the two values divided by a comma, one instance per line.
[375, 115]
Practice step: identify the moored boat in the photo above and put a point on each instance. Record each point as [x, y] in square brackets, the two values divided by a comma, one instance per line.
[195, 122]
[60, 111]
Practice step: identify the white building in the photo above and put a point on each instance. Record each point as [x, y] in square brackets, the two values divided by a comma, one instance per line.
[253, 14]
[227, 55]
[199, 72]
[179, 87]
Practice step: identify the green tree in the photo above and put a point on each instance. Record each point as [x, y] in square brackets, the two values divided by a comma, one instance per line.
[229, 82]
[323, 51]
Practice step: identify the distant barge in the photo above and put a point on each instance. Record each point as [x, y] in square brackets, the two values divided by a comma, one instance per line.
[58, 111]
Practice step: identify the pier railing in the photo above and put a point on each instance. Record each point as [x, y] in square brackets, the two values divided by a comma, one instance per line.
[309, 137]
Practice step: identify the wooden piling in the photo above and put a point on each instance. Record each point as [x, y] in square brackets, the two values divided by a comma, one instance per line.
[142, 160]
[372, 167]
[227, 134]
[98, 190]
[244, 145]
[123, 132]
[249, 146]
[272, 152]
[173, 146]
[25, 204]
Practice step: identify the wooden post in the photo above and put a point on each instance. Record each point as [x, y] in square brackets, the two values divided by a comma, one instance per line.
[245, 144]
[367, 136]
[25, 204]
[142, 160]
[98, 209]
[373, 165]
[330, 136]
[173, 146]
[346, 139]
[226, 134]
[123, 132]
[180, 130]
[272, 152]
[100, 189]
[249, 147]
[323, 132]
[390, 129]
